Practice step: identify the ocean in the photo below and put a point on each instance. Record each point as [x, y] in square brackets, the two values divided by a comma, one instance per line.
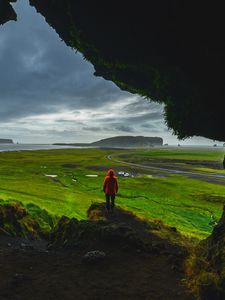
[20, 147]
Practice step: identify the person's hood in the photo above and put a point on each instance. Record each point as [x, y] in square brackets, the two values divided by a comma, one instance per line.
[111, 173]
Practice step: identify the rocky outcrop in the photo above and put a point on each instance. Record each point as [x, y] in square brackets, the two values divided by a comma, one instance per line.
[19, 221]
[15, 221]
[129, 141]
[6, 141]
[122, 142]
[93, 257]
[71, 233]
[207, 268]
[104, 262]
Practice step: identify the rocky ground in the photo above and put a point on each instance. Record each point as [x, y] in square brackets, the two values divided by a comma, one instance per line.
[134, 263]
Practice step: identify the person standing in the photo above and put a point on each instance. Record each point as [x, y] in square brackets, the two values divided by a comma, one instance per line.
[110, 188]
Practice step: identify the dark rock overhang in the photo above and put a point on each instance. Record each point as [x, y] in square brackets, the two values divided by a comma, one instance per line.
[6, 12]
[168, 51]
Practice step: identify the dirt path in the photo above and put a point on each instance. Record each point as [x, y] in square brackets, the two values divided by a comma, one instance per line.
[32, 272]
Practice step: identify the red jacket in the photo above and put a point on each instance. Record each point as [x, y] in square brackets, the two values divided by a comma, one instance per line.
[110, 185]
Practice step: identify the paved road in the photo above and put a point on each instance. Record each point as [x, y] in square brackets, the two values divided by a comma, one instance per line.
[209, 177]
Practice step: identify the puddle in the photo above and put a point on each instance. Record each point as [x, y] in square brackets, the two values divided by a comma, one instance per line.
[149, 176]
[52, 176]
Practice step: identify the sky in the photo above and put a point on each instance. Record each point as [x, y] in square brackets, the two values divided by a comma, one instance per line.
[48, 92]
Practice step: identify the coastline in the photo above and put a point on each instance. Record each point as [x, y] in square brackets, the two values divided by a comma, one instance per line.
[36, 147]
[32, 147]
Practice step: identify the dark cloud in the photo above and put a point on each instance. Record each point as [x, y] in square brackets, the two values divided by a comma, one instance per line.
[40, 74]
[148, 126]
[148, 116]
[89, 128]
[148, 119]
[124, 128]
[142, 105]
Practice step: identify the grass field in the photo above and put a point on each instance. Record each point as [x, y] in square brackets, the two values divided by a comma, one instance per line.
[191, 205]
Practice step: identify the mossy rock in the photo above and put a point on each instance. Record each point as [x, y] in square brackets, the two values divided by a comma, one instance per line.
[207, 269]
[208, 287]
[17, 220]
[69, 233]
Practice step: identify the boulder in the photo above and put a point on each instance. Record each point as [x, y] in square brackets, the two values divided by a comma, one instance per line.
[92, 257]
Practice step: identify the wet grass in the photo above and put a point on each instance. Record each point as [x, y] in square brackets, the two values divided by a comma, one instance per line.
[190, 205]
[205, 154]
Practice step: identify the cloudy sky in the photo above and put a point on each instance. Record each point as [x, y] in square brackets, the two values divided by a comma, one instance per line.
[48, 93]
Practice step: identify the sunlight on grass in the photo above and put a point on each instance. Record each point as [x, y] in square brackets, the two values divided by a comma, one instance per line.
[188, 204]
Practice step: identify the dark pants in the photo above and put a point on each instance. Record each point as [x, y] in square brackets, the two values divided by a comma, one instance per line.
[110, 204]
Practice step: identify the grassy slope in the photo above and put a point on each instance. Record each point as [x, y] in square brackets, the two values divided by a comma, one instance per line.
[213, 154]
[178, 201]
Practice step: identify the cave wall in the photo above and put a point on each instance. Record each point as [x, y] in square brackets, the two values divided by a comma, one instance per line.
[168, 51]
[7, 13]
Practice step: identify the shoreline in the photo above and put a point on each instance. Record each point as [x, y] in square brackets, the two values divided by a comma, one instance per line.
[38, 147]
[32, 147]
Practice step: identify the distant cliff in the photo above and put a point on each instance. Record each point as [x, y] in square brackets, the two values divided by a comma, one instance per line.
[6, 141]
[123, 142]
[129, 141]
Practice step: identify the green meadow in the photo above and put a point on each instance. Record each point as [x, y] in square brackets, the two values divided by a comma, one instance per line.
[56, 180]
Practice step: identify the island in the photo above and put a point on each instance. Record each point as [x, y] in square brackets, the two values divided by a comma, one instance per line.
[6, 141]
[121, 142]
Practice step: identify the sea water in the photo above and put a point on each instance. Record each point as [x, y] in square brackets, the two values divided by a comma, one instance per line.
[20, 147]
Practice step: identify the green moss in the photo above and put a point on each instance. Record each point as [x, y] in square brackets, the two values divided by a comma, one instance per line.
[17, 220]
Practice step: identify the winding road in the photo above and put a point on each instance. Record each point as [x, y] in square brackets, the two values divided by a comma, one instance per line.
[209, 177]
